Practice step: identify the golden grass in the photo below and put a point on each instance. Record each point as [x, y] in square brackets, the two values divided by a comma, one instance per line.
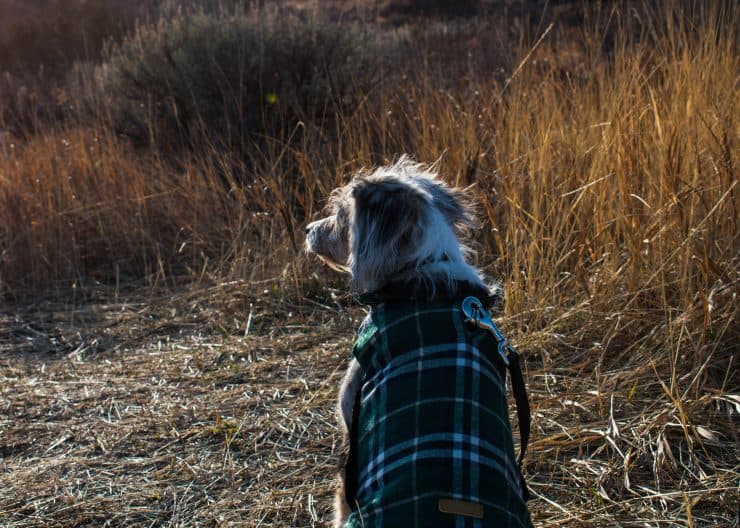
[607, 184]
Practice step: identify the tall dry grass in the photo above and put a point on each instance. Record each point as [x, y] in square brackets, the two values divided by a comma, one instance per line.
[605, 175]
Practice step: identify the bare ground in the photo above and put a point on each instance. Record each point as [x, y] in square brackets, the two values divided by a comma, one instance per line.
[215, 408]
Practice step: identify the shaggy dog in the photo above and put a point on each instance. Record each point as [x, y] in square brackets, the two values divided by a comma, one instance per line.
[422, 404]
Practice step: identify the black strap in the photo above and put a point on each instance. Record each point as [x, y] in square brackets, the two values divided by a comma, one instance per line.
[350, 467]
[412, 291]
[523, 413]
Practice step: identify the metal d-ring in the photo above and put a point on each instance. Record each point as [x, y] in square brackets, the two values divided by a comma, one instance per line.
[479, 316]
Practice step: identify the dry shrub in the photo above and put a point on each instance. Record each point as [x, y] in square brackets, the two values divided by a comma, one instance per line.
[406, 8]
[233, 76]
[52, 34]
[41, 41]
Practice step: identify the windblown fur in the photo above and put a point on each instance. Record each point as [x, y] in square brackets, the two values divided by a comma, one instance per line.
[396, 223]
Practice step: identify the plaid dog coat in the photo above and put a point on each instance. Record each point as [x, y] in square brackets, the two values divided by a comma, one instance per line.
[432, 431]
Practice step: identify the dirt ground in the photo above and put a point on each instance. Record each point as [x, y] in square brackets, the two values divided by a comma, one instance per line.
[129, 415]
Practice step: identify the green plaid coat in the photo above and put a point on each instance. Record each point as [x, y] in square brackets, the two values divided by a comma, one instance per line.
[433, 423]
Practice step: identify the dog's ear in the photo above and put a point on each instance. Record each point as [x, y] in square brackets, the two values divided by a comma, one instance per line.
[387, 219]
[453, 203]
[387, 211]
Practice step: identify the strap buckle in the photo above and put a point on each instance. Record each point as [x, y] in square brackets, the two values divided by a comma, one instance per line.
[477, 315]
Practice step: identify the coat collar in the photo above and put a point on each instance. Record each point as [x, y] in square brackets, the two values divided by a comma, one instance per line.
[412, 291]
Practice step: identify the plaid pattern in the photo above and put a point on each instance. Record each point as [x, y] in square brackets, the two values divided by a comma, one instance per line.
[433, 422]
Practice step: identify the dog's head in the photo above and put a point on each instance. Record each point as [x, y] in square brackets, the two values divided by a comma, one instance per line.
[396, 220]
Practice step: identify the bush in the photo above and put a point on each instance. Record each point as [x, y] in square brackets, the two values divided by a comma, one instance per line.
[442, 8]
[40, 41]
[233, 76]
[52, 34]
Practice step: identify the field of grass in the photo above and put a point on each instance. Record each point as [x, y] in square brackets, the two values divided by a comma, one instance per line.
[170, 357]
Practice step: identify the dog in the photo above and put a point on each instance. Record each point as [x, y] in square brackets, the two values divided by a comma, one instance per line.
[422, 404]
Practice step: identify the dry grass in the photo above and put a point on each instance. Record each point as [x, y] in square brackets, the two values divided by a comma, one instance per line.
[132, 415]
[606, 175]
